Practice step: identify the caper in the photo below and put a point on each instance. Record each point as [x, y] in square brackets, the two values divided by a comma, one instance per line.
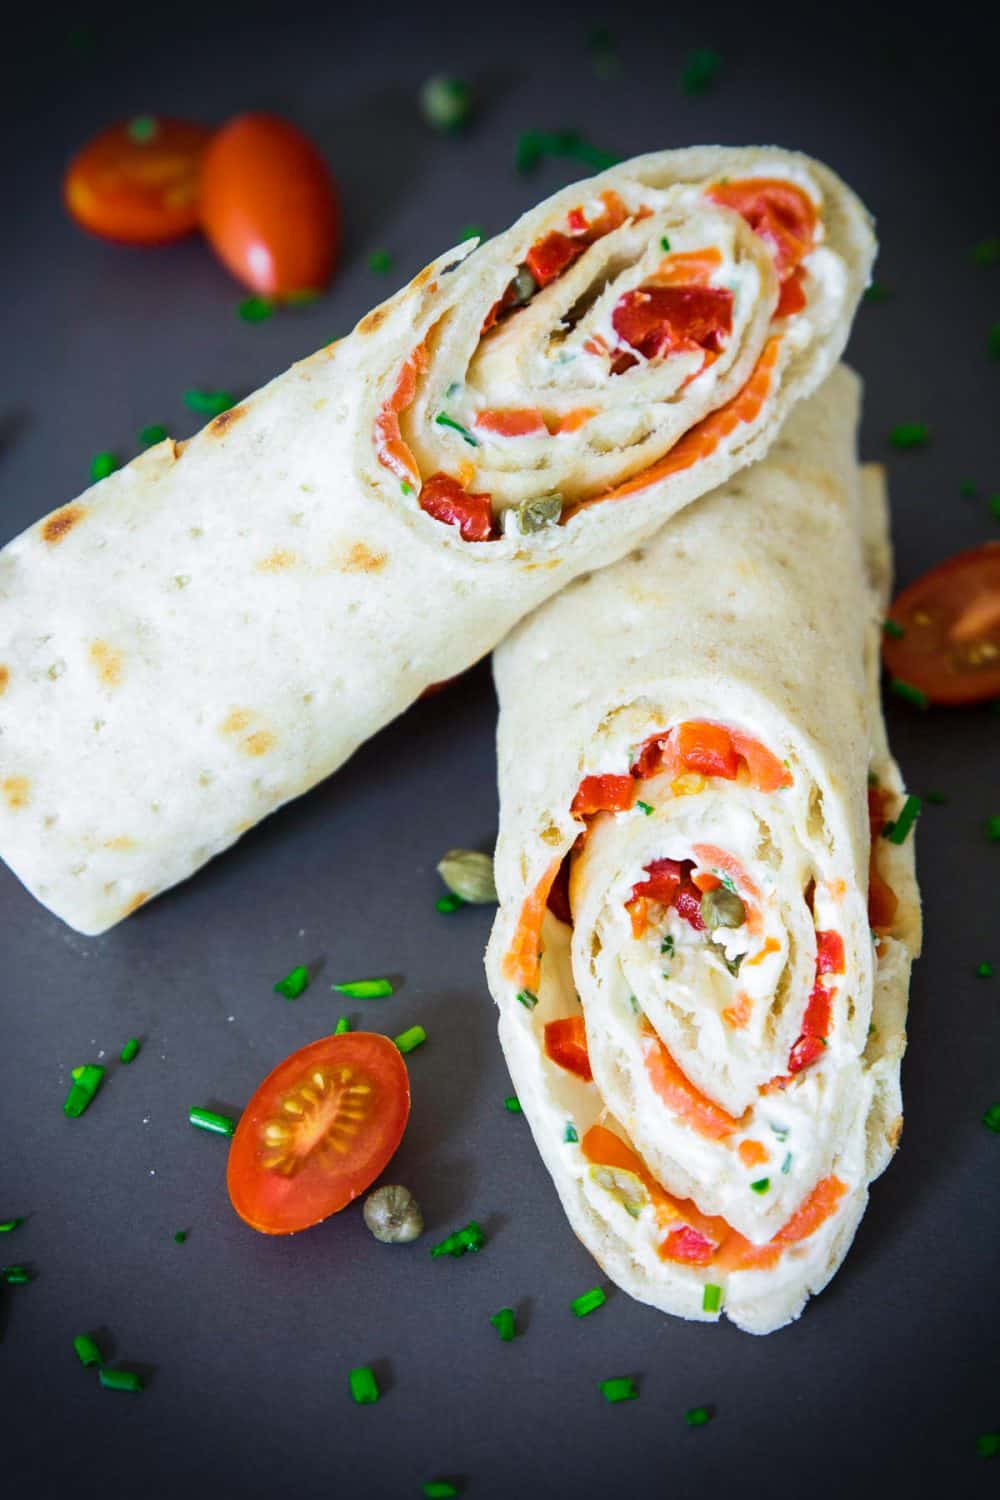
[722, 908]
[469, 874]
[623, 1185]
[541, 511]
[447, 103]
[393, 1215]
[524, 286]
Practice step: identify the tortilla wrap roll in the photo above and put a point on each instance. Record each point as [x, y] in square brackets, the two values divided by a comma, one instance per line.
[702, 1030]
[215, 628]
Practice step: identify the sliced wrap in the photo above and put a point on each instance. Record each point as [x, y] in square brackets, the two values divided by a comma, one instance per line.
[701, 959]
[215, 628]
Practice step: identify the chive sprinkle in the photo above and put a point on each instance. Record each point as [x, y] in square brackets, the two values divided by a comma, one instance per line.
[993, 341]
[909, 435]
[364, 1386]
[150, 436]
[101, 465]
[443, 420]
[407, 489]
[967, 490]
[87, 1351]
[364, 989]
[471, 232]
[10, 1224]
[711, 1299]
[462, 1242]
[439, 1489]
[987, 252]
[988, 1444]
[16, 1275]
[533, 145]
[701, 69]
[411, 1038]
[985, 970]
[896, 831]
[697, 1416]
[180, 1235]
[528, 999]
[991, 1119]
[119, 1380]
[512, 1104]
[447, 904]
[255, 309]
[667, 946]
[644, 808]
[503, 1322]
[994, 503]
[570, 1135]
[622, 1388]
[294, 983]
[761, 1185]
[892, 629]
[130, 1051]
[142, 129]
[936, 799]
[208, 403]
[908, 692]
[86, 1082]
[215, 1124]
[993, 830]
[342, 1026]
[665, 244]
[587, 1303]
[380, 261]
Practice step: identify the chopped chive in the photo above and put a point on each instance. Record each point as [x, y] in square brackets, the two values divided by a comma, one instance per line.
[569, 1134]
[994, 503]
[936, 799]
[380, 261]
[697, 1416]
[10, 1224]
[86, 1082]
[150, 436]
[208, 403]
[877, 291]
[528, 999]
[447, 904]
[987, 252]
[207, 1119]
[701, 69]
[890, 628]
[87, 1351]
[142, 129]
[364, 989]
[342, 1026]
[180, 1235]
[294, 983]
[255, 309]
[101, 465]
[991, 1119]
[907, 692]
[711, 1299]
[993, 341]
[471, 232]
[988, 1444]
[967, 490]
[667, 946]
[644, 807]
[761, 1185]
[130, 1051]
[909, 435]
[665, 244]
[633, 1002]
[786, 1165]
[412, 1037]
[533, 145]
[512, 1104]
[623, 1388]
[406, 488]
[462, 1242]
[896, 831]
[588, 1302]
[503, 1322]
[439, 1489]
[119, 1380]
[993, 830]
[443, 420]
[985, 970]
[15, 1275]
[364, 1386]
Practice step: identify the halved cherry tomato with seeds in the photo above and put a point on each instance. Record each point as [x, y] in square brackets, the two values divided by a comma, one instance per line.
[318, 1131]
[950, 623]
[137, 182]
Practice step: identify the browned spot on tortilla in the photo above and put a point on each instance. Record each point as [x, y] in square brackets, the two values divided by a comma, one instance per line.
[107, 663]
[220, 425]
[121, 843]
[894, 1132]
[361, 559]
[237, 721]
[179, 445]
[533, 567]
[258, 743]
[424, 275]
[61, 522]
[139, 899]
[373, 320]
[243, 827]
[277, 561]
[4, 678]
[15, 790]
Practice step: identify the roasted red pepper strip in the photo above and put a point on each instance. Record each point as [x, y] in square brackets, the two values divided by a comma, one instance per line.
[707, 749]
[552, 255]
[811, 1043]
[663, 876]
[513, 422]
[444, 498]
[829, 953]
[659, 320]
[566, 1044]
[603, 794]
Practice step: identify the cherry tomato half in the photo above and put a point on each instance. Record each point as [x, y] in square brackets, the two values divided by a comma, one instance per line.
[137, 182]
[950, 623]
[268, 206]
[318, 1131]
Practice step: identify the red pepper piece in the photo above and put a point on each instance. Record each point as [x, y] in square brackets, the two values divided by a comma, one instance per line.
[566, 1044]
[444, 498]
[603, 794]
[659, 320]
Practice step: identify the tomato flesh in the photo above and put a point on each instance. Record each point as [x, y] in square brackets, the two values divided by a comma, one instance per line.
[566, 1045]
[661, 320]
[268, 206]
[137, 182]
[950, 619]
[318, 1131]
[444, 498]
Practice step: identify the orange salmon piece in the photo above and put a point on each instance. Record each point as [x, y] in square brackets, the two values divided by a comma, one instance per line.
[738, 1254]
[522, 961]
[679, 1093]
[393, 454]
[688, 267]
[767, 772]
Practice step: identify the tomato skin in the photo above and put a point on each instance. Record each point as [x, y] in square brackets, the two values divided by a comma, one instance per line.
[137, 182]
[950, 619]
[268, 206]
[284, 1185]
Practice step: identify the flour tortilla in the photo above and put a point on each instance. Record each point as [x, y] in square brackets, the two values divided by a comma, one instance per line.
[214, 629]
[759, 608]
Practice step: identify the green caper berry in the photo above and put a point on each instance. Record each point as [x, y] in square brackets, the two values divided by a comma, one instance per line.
[524, 284]
[469, 874]
[722, 908]
[393, 1215]
[536, 514]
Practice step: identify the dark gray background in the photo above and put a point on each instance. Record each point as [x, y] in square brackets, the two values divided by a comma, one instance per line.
[247, 1341]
